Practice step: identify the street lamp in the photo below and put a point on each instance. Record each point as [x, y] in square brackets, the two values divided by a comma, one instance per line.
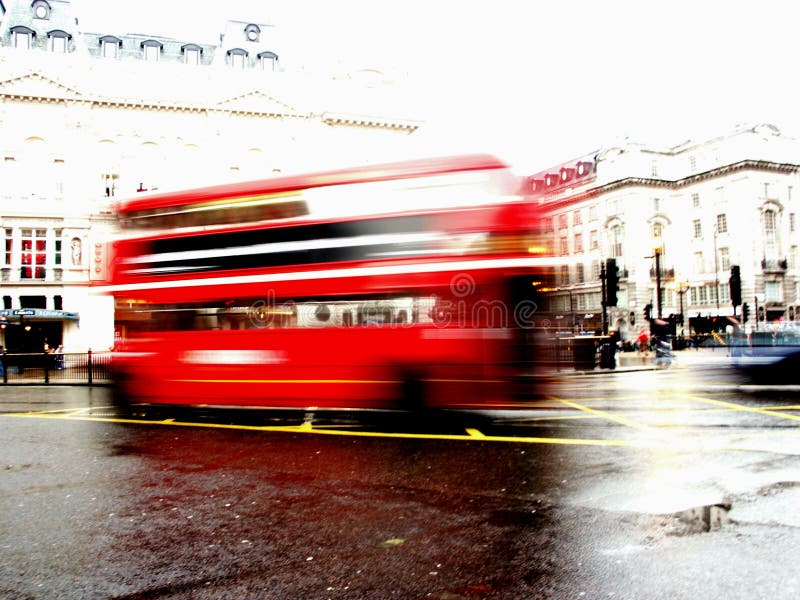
[658, 249]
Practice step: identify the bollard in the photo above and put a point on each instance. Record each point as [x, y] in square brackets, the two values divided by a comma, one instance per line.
[89, 365]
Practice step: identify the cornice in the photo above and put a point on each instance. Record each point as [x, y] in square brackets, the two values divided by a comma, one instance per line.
[674, 184]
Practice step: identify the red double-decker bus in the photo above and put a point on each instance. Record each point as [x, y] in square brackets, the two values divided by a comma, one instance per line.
[403, 285]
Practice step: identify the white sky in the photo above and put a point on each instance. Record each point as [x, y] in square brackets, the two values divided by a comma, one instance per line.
[540, 81]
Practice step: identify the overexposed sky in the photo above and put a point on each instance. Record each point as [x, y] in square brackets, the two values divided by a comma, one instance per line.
[540, 81]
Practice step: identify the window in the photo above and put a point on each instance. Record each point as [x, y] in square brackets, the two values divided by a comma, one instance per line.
[21, 37]
[57, 255]
[616, 241]
[268, 61]
[595, 269]
[9, 246]
[722, 224]
[578, 241]
[593, 240]
[562, 221]
[773, 291]
[656, 205]
[151, 50]
[654, 169]
[576, 217]
[695, 200]
[724, 292]
[579, 273]
[792, 223]
[191, 54]
[110, 46]
[57, 41]
[236, 58]
[658, 230]
[724, 259]
[34, 254]
[692, 164]
[593, 212]
[698, 230]
[41, 10]
[548, 225]
[702, 295]
[252, 33]
[564, 274]
[699, 263]
[563, 246]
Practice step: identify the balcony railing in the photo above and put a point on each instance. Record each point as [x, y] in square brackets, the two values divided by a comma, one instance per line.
[769, 264]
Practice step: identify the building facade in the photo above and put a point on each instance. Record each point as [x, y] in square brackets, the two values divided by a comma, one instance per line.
[89, 117]
[697, 209]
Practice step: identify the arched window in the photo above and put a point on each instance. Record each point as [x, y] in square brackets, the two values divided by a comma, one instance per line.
[268, 61]
[236, 57]
[191, 54]
[57, 40]
[21, 37]
[110, 46]
[770, 221]
[615, 240]
[151, 50]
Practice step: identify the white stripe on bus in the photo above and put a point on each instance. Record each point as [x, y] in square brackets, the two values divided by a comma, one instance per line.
[437, 267]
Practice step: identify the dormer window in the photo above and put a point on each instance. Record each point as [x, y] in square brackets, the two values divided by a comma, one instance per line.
[41, 9]
[236, 57]
[57, 41]
[252, 33]
[110, 46]
[21, 37]
[191, 54]
[152, 50]
[268, 61]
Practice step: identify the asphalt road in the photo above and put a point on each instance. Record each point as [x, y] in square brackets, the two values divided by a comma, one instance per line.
[677, 483]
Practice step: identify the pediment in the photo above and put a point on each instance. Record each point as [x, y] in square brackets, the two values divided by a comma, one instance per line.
[258, 102]
[34, 85]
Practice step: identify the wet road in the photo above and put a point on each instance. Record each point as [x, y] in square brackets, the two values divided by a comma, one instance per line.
[611, 486]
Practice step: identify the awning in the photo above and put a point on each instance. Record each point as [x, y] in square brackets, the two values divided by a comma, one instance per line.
[36, 314]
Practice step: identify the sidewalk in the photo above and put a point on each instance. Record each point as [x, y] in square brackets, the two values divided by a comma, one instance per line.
[633, 361]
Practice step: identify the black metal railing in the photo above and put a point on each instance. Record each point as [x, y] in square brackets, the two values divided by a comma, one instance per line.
[71, 368]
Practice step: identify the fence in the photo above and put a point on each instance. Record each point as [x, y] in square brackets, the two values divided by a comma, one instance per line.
[72, 368]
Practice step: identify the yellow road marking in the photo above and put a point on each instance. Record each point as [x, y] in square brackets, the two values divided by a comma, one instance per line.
[470, 435]
[601, 413]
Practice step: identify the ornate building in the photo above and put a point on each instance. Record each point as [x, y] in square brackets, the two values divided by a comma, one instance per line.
[87, 117]
[700, 207]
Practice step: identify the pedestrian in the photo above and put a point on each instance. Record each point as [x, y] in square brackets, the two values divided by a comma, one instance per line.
[643, 342]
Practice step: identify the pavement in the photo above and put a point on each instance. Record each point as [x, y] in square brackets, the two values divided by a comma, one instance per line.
[633, 361]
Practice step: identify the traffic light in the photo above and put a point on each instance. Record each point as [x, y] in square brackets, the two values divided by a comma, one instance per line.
[745, 312]
[648, 312]
[612, 281]
[736, 286]
[760, 313]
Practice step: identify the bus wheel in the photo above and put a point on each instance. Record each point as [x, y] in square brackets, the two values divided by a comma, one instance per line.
[413, 392]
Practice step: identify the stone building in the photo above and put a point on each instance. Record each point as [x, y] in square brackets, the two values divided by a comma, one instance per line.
[701, 206]
[88, 117]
